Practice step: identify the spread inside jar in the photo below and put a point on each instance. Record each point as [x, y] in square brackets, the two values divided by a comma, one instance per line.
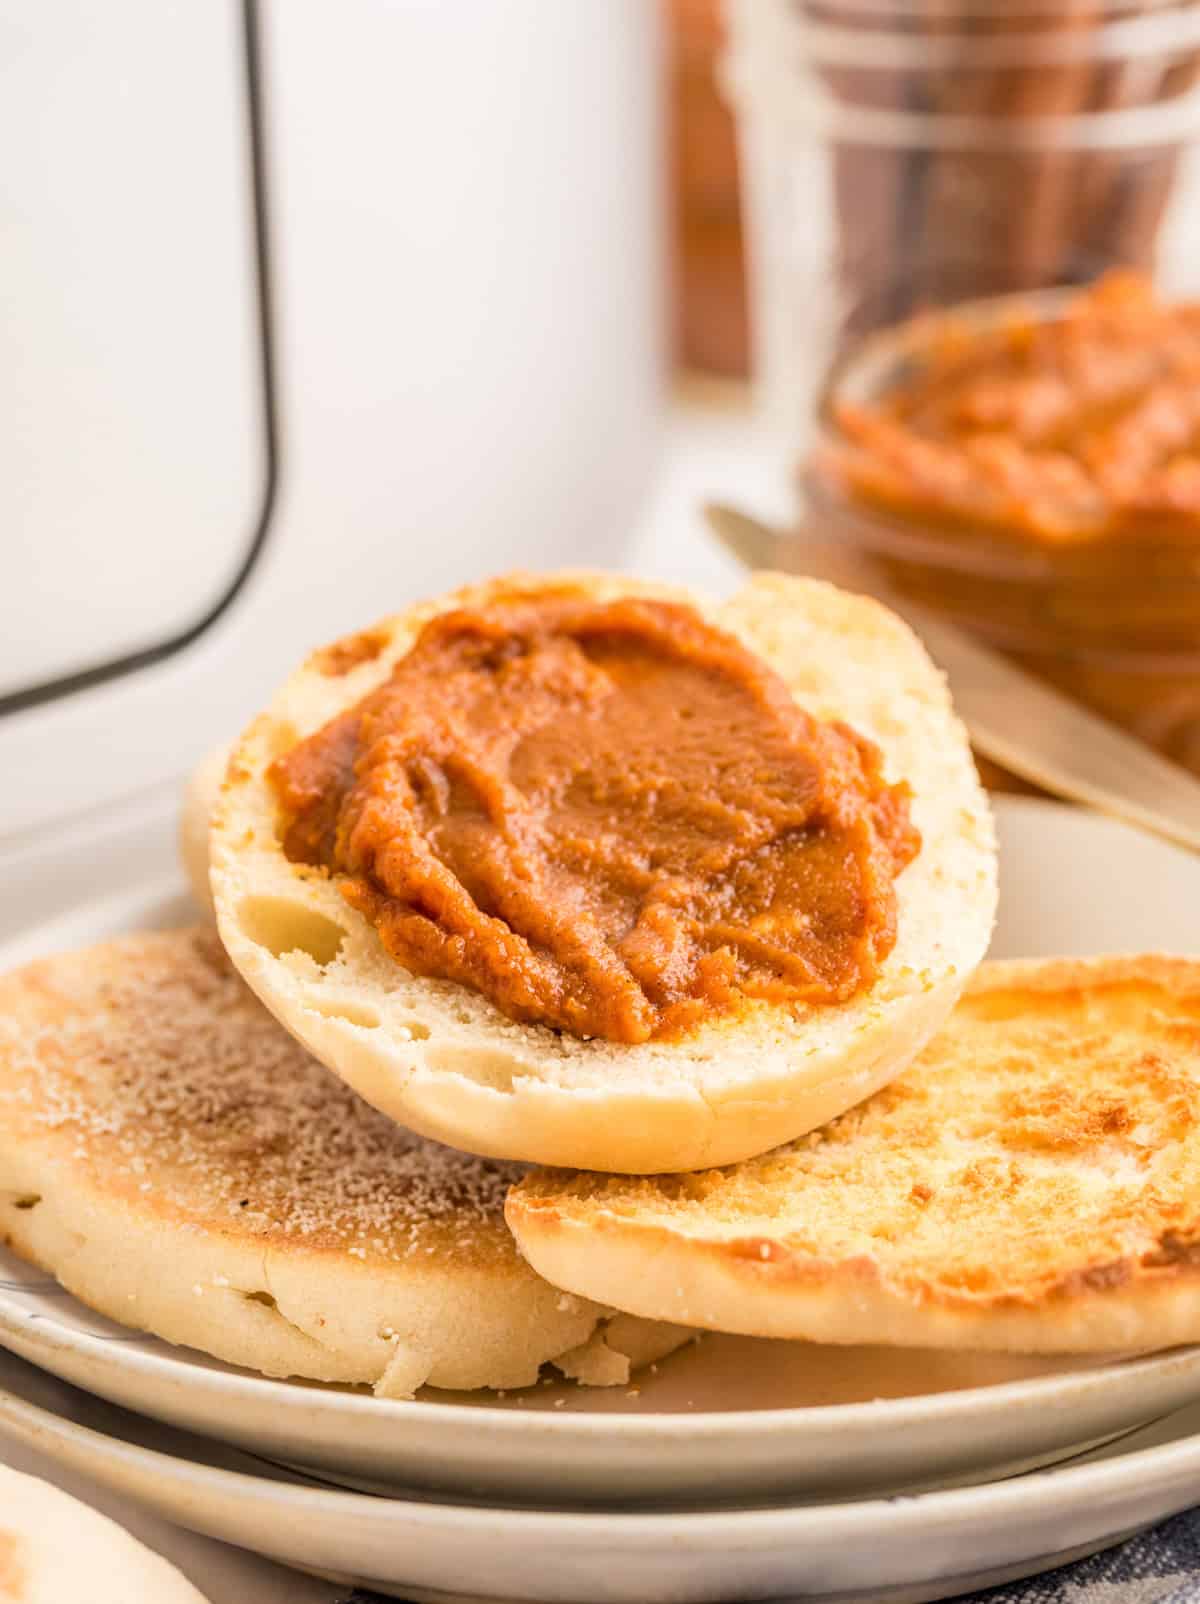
[1073, 428]
[610, 818]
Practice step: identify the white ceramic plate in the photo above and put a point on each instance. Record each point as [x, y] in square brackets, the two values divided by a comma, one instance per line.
[893, 1551]
[731, 1419]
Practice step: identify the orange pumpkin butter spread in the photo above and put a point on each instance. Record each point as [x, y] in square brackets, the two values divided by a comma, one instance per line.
[1075, 428]
[609, 818]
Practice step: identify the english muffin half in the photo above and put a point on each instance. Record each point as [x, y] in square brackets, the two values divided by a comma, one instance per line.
[195, 821]
[183, 1166]
[54, 1547]
[1032, 1183]
[441, 1057]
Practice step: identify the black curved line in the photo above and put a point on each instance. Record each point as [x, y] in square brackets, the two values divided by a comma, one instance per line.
[68, 684]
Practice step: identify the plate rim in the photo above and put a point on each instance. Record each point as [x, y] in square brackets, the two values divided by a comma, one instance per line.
[108, 1457]
[936, 1408]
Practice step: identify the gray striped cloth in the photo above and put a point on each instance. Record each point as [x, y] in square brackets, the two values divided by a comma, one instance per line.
[1161, 1566]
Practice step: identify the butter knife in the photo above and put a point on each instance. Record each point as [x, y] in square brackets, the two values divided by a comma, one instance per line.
[1014, 719]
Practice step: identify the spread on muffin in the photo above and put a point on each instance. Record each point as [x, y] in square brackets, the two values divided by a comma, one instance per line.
[610, 818]
[1073, 428]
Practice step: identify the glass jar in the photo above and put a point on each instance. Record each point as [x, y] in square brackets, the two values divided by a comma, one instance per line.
[902, 154]
[1112, 618]
[901, 158]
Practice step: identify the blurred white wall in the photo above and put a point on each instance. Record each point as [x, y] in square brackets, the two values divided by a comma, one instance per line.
[470, 292]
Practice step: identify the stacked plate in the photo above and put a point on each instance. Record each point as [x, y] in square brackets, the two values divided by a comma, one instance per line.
[735, 1469]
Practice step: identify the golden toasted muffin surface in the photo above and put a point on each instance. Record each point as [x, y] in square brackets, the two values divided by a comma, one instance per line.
[1046, 1142]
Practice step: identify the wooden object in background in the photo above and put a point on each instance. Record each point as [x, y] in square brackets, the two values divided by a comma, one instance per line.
[709, 280]
[986, 212]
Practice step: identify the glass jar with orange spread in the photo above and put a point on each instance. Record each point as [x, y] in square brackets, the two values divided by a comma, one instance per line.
[1030, 467]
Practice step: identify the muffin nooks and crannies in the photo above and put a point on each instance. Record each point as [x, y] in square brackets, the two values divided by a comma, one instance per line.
[580, 870]
[1032, 1183]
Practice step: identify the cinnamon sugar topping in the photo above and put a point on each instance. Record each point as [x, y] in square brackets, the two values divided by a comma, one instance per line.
[174, 1082]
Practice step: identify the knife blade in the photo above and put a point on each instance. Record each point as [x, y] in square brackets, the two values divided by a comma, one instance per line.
[1014, 719]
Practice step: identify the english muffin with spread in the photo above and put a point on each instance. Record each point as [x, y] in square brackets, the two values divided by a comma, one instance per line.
[586, 871]
[1032, 1183]
[182, 1165]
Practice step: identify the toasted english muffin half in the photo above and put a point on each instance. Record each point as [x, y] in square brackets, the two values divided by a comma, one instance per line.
[54, 1548]
[181, 1164]
[195, 821]
[1032, 1183]
[444, 1060]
